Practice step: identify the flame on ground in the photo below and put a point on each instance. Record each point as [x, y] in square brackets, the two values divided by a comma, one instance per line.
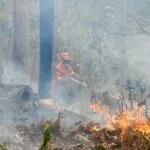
[97, 107]
[95, 129]
[134, 119]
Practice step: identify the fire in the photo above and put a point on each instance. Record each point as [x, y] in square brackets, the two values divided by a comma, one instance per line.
[95, 129]
[97, 107]
[134, 119]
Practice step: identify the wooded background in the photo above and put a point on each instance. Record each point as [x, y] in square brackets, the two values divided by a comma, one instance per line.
[109, 39]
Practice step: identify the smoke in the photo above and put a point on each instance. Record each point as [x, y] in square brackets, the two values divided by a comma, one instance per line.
[15, 76]
[97, 31]
[102, 32]
[15, 141]
[138, 54]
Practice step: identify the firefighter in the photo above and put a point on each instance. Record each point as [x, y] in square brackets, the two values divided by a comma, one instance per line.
[63, 87]
[64, 69]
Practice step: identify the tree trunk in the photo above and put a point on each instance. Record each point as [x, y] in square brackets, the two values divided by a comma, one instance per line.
[20, 44]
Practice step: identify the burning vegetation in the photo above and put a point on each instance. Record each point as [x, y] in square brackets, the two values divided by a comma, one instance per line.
[126, 128]
[98, 48]
[123, 125]
[130, 129]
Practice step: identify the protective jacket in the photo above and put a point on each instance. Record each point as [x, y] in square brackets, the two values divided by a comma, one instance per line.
[62, 71]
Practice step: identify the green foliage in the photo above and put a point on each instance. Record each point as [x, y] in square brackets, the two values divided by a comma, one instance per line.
[57, 123]
[3, 146]
[49, 128]
[46, 137]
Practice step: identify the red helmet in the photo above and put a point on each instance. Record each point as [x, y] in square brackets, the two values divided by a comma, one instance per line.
[65, 56]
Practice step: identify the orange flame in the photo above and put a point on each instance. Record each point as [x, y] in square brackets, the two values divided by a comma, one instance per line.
[134, 119]
[97, 107]
[95, 129]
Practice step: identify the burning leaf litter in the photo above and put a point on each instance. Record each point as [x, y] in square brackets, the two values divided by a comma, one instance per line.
[128, 130]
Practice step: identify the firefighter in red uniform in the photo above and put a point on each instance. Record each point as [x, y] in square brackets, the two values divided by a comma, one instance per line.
[63, 71]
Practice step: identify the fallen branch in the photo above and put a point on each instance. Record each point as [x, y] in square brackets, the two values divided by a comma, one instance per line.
[84, 139]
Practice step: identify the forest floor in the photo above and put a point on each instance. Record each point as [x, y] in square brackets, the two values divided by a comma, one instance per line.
[68, 130]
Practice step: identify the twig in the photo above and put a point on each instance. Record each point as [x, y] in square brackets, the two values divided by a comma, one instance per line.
[140, 26]
[85, 140]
